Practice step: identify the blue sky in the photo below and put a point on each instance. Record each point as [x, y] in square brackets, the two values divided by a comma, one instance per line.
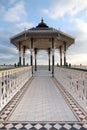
[68, 15]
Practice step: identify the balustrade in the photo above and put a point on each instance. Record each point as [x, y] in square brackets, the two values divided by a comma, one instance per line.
[74, 81]
[11, 81]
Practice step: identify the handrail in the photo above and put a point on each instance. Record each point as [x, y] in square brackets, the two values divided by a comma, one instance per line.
[11, 81]
[66, 67]
[74, 80]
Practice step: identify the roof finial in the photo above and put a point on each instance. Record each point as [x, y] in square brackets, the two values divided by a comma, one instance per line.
[42, 20]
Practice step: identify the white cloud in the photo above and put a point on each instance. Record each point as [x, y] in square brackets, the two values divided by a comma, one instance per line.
[24, 25]
[61, 7]
[8, 54]
[77, 53]
[82, 26]
[77, 59]
[15, 13]
[79, 29]
[8, 50]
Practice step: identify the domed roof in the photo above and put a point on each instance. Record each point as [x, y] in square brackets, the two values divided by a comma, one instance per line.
[42, 25]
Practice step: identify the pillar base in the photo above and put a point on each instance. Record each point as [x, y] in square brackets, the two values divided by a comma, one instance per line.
[35, 69]
[19, 64]
[23, 61]
[49, 69]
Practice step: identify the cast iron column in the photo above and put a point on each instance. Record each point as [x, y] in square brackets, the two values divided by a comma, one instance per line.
[35, 59]
[60, 55]
[52, 56]
[19, 54]
[49, 58]
[32, 54]
[64, 53]
[24, 48]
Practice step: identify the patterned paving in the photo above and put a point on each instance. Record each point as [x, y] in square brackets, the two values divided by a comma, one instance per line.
[81, 124]
[43, 126]
[42, 102]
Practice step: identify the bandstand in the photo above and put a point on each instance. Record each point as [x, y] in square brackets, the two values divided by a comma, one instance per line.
[42, 37]
[33, 100]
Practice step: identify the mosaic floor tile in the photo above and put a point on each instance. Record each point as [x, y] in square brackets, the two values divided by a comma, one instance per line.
[57, 126]
[48, 126]
[67, 126]
[77, 126]
[9, 126]
[28, 126]
[38, 126]
[18, 126]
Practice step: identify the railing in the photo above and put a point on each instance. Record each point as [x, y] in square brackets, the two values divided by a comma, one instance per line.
[74, 81]
[11, 81]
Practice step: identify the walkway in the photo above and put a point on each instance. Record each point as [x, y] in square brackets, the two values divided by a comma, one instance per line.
[40, 106]
[42, 102]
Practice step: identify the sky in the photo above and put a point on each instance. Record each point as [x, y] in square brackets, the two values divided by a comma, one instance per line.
[70, 16]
